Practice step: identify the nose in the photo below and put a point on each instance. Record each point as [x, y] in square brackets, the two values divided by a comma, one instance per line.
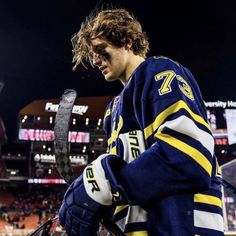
[97, 60]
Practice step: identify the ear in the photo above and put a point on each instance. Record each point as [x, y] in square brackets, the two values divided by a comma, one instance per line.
[128, 43]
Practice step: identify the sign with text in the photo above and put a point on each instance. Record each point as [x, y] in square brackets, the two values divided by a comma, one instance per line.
[48, 135]
[46, 181]
[221, 116]
[75, 159]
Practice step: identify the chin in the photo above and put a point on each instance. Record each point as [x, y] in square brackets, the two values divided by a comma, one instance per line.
[109, 78]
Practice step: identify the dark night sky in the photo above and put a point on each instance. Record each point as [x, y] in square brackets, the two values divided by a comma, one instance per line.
[35, 48]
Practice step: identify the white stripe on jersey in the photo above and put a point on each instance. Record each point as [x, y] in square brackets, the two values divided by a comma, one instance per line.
[208, 220]
[186, 126]
[135, 214]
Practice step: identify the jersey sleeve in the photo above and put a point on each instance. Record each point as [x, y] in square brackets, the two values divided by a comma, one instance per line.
[170, 110]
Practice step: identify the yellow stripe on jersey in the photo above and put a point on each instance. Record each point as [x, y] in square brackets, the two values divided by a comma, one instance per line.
[191, 130]
[187, 149]
[137, 233]
[208, 199]
[108, 113]
[120, 208]
[150, 129]
[115, 131]
[218, 168]
[113, 151]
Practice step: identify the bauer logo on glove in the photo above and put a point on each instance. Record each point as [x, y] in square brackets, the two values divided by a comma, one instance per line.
[91, 180]
[95, 179]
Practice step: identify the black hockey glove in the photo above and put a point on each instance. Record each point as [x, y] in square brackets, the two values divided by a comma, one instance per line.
[91, 195]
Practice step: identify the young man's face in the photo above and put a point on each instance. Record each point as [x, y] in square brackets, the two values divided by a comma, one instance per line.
[111, 61]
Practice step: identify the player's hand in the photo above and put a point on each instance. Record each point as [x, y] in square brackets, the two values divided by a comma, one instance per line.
[91, 196]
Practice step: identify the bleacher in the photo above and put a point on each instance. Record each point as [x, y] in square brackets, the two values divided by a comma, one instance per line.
[21, 212]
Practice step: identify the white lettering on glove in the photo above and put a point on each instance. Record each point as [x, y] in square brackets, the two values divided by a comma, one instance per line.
[95, 182]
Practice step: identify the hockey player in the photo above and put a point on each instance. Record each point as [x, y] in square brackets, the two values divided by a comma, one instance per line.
[160, 173]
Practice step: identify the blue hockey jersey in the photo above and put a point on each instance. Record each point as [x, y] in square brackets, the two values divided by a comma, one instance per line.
[158, 124]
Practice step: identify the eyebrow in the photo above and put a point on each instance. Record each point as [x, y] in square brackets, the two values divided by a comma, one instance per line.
[99, 47]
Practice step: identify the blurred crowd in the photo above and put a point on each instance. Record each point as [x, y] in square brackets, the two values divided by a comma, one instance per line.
[44, 203]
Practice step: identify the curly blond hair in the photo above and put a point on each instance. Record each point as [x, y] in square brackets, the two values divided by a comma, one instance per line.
[114, 26]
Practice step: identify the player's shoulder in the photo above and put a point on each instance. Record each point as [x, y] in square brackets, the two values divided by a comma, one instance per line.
[162, 62]
[154, 65]
[161, 78]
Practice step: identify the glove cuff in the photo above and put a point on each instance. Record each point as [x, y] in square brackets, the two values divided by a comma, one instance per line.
[112, 165]
[100, 180]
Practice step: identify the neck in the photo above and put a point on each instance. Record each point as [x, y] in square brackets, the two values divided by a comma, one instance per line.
[133, 63]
